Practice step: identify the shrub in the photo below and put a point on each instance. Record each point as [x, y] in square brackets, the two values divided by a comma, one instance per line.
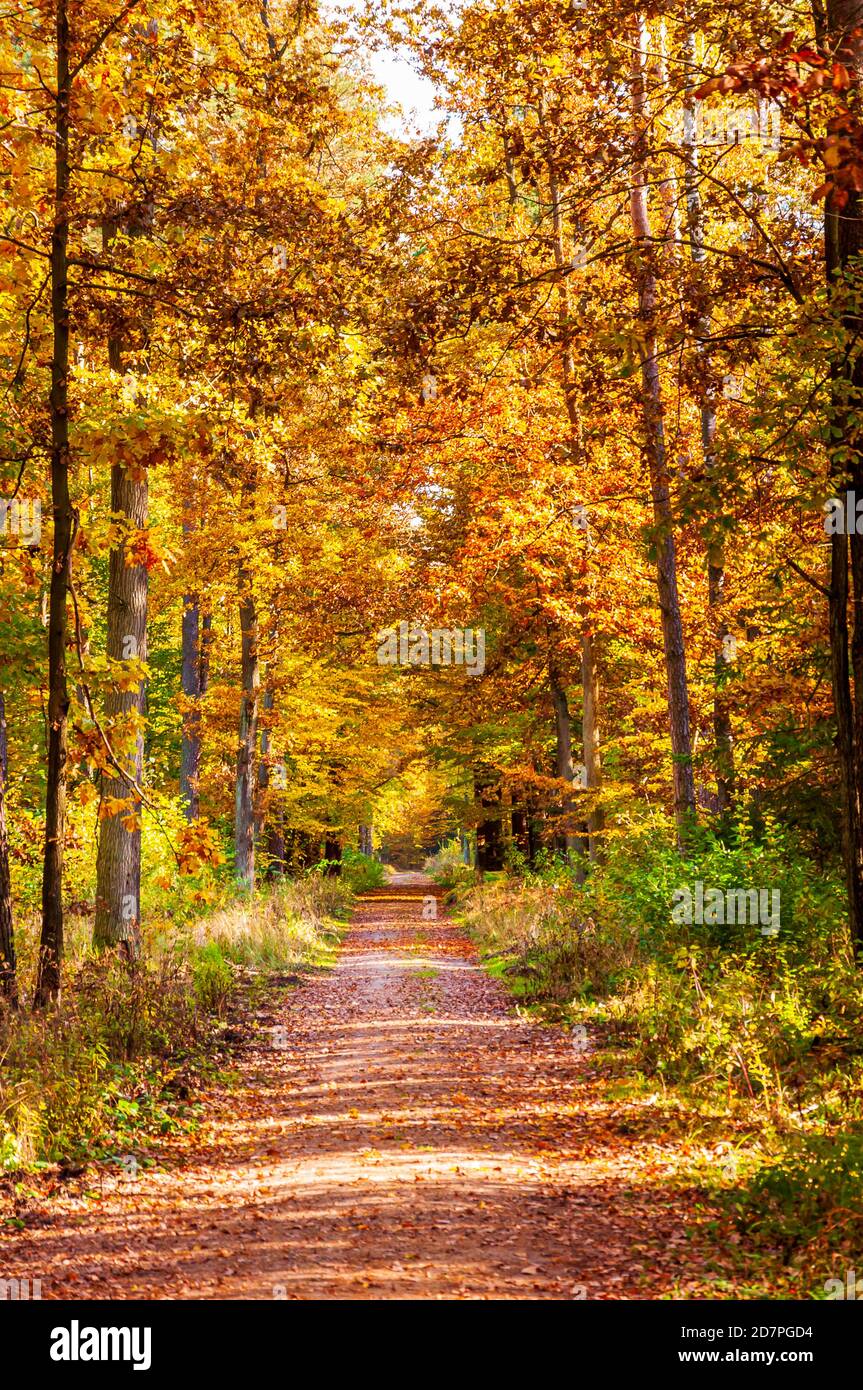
[64, 1073]
[447, 866]
[212, 977]
[293, 924]
[807, 1203]
[722, 1008]
[361, 871]
[141, 1009]
[84, 1079]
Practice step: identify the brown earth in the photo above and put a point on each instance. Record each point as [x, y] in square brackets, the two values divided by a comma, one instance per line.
[407, 1135]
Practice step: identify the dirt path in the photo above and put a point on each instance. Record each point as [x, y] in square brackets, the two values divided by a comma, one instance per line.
[413, 1139]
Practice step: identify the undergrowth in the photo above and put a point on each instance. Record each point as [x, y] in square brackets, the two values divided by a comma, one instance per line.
[120, 1060]
[756, 1038]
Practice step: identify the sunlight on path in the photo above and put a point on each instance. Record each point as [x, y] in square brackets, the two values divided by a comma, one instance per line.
[416, 1139]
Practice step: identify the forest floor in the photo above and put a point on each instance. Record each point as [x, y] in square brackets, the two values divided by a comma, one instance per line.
[414, 1137]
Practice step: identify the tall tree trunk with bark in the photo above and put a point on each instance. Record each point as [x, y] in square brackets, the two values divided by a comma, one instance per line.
[51, 940]
[195, 639]
[666, 556]
[589, 680]
[244, 810]
[489, 835]
[564, 765]
[190, 751]
[273, 820]
[722, 730]
[118, 861]
[333, 854]
[843, 247]
[8, 974]
[118, 864]
[590, 745]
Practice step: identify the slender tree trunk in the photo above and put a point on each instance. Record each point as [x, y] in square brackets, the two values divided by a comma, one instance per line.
[190, 753]
[195, 647]
[666, 558]
[508, 162]
[564, 765]
[843, 245]
[8, 975]
[272, 820]
[244, 816]
[590, 744]
[722, 729]
[267, 702]
[206, 640]
[333, 855]
[51, 941]
[489, 837]
[667, 188]
[589, 682]
[118, 864]
[118, 861]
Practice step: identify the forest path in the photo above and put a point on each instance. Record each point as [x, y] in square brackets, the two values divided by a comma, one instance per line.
[415, 1138]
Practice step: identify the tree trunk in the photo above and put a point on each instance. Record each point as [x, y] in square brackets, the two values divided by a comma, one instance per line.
[589, 689]
[51, 940]
[489, 836]
[190, 754]
[722, 730]
[843, 244]
[244, 817]
[666, 557]
[669, 203]
[272, 819]
[590, 743]
[118, 863]
[206, 639]
[564, 765]
[8, 975]
[333, 855]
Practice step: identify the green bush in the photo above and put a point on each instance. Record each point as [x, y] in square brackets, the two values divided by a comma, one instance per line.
[360, 871]
[447, 866]
[808, 1202]
[141, 1009]
[212, 977]
[720, 1007]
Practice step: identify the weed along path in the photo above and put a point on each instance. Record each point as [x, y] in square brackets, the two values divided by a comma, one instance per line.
[397, 1132]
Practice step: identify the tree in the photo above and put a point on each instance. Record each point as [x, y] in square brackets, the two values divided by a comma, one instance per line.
[51, 941]
[666, 556]
[8, 975]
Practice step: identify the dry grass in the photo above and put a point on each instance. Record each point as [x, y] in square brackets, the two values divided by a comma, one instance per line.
[293, 925]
